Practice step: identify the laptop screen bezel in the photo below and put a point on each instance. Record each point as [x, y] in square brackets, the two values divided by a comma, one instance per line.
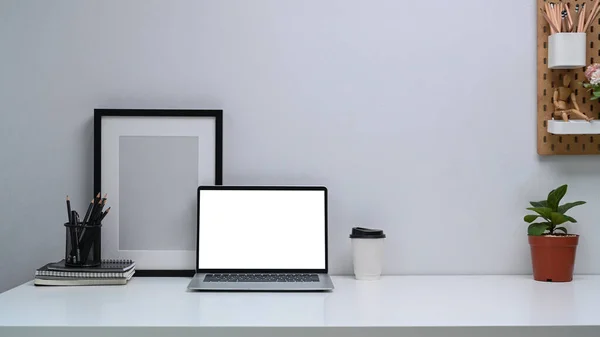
[261, 188]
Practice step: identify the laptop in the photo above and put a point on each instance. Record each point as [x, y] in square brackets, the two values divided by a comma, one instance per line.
[262, 238]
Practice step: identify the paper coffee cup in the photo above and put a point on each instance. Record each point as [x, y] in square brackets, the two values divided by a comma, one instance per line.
[367, 253]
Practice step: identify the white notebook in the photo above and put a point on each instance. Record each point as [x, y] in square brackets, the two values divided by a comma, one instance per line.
[68, 281]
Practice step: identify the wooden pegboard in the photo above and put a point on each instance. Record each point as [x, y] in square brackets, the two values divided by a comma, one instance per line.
[547, 79]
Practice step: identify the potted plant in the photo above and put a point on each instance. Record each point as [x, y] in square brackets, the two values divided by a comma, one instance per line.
[552, 247]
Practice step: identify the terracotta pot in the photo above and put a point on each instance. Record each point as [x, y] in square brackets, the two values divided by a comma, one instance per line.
[553, 257]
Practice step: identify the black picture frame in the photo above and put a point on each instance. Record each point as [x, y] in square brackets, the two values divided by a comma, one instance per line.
[216, 114]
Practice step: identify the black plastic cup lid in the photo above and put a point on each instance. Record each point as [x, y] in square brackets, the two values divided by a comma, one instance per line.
[366, 233]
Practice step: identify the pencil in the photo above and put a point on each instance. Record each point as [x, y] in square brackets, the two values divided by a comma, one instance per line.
[575, 19]
[83, 238]
[550, 13]
[546, 13]
[557, 9]
[562, 16]
[96, 205]
[103, 215]
[559, 16]
[591, 16]
[87, 239]
[569, 18]
[552, 27]
[581, 18]
[99, 216]
[87, 213]
[96, 216]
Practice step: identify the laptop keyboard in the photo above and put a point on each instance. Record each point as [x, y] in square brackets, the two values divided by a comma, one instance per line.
[261, 278]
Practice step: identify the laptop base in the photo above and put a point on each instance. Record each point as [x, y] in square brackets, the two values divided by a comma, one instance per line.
[198, 284]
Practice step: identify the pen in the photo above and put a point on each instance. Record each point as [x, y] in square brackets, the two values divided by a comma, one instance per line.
[73, 237]
[69, 209]
[76, 217]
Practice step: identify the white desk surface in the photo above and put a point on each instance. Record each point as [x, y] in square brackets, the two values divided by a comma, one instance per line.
[393, 301]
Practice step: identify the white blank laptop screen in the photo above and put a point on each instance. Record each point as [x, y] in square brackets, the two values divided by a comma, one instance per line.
[261, 229]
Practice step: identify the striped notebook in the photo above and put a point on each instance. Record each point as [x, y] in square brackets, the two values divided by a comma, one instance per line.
[107, 269]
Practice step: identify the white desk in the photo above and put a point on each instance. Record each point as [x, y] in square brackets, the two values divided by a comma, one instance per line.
[393, 306]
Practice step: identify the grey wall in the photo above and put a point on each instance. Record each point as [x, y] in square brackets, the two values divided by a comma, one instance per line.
[419, 116]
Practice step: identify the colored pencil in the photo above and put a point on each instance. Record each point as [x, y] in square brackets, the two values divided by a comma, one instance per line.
[553, 29]
[569, 18]
[575, 19]
[593, 14]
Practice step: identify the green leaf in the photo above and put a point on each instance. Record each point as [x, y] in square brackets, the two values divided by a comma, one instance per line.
[542, 203]
[545, 212]
[564, 208]
[537, 228]
[555, 196]
[530, 218]
[597, 93]
[593, 98]
[558, 218]
[570, 219]
[586, 85]
[562, 229]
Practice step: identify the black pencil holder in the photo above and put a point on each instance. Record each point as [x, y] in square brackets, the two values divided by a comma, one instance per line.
[83, 245]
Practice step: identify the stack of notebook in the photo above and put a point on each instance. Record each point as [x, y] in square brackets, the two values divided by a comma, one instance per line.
[110, 272]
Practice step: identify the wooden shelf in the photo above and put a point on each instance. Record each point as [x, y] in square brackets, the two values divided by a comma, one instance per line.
[574, 127]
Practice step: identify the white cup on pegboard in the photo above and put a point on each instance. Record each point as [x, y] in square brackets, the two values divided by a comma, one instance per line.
[567, 50]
